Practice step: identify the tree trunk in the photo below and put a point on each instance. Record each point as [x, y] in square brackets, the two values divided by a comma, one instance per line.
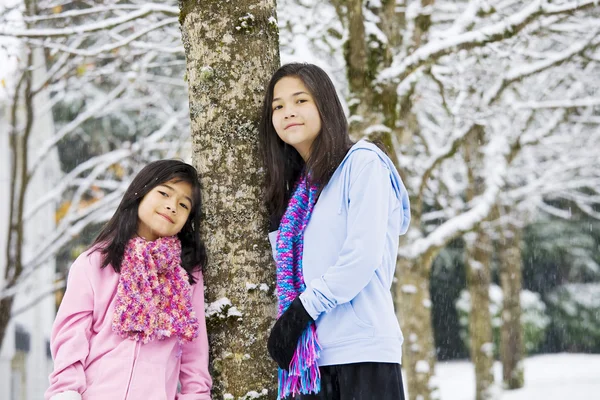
[356, 55]
[511, 334]
[478, 251]
[5, 312]
[413, 306]
[232, 50]
[422, 24]
[21, 114]
[363, 110]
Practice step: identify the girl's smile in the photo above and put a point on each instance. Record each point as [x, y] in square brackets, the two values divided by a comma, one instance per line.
[167, 218]
[292, 125]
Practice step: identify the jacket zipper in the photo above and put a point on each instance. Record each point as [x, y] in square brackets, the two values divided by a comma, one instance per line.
[135, 356]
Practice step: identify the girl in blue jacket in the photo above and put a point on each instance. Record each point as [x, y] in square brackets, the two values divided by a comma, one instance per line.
[337, 210]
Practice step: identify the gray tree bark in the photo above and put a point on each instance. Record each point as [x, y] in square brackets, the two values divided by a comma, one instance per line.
[511, 333]
[478, 251]
[21, 113]
[232, 51]
[413, 307]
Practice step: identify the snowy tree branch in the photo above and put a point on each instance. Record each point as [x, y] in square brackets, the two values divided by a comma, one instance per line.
[107, 47]
[566, 104]
[166, 9]
[510, 26]
[106, 24]
[81, 118]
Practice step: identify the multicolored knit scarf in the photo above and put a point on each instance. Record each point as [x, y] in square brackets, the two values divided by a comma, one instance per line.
[154, 293]
[303, 375]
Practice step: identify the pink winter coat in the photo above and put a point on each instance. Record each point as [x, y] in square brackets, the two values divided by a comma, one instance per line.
[93, 363]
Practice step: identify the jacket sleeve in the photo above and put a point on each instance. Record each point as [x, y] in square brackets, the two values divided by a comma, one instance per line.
[364, 245]
[71, 333]
[194, 377]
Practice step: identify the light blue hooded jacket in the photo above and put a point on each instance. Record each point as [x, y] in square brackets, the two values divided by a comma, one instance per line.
[349, 259]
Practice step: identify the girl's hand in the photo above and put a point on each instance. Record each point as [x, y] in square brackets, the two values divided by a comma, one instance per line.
[286, 332]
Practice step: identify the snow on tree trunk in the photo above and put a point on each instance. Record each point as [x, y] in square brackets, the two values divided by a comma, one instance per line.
[511, 332]
[232, 50]
[413, 306]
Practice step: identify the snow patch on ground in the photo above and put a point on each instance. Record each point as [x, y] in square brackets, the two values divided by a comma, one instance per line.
[547, 377]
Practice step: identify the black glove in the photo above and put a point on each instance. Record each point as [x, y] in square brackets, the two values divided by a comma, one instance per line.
[286, 332]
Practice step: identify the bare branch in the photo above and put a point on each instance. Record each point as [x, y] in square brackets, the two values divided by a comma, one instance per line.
[55, 287]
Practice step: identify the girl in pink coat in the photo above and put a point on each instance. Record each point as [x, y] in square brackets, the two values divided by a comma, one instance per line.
[131, 324]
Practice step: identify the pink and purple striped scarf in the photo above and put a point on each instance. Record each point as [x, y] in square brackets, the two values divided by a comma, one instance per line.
[303, 375]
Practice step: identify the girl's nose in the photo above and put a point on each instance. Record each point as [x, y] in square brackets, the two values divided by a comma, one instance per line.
[172, 209]
[291, 114]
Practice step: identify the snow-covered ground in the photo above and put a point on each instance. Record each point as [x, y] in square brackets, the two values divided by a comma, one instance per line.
[547, 377]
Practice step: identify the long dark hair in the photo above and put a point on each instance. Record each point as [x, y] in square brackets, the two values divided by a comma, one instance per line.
[115, 235]
[283, 164]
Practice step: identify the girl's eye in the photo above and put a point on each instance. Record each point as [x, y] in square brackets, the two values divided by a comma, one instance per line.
[276, 108]
[184, 206]
[163, 194]
[302, 100]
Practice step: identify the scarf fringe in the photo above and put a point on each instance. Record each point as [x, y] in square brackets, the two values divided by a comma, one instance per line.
[303, 376]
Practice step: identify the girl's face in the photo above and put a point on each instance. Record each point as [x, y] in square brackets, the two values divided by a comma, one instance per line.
[295, 116]
[164, 210]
